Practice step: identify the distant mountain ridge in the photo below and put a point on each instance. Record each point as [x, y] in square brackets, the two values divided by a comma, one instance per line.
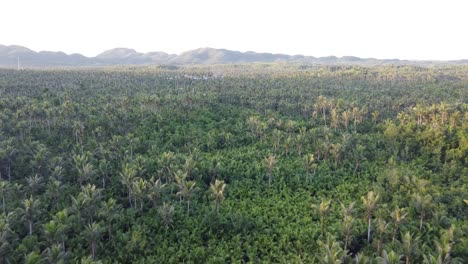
[9, 56]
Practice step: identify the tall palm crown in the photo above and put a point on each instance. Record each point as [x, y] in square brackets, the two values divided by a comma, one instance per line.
[370, 203]
[217, 190]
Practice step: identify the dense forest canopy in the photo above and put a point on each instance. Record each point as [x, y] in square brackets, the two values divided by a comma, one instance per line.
[261, 163]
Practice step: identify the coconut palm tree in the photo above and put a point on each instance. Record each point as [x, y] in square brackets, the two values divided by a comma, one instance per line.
[322, 209]
[370, 204]
[323, 105]
[33, 258]
[186, 190]
[139, 191]
[361, 259]
[330, 250]
[92, 197]
[6, 235]
[217, 189]
[300, 144]
[4, 191]
[421, 203]
[166, 212]
[109, 211]
[398, 216]
[309, 162]
[389, 258]
[276, 139]
[92, 233]
[84, 169]
[445, 245]
[381, 231]
[127, 177]
[375, 116]
[409, 246]
[34, 184]
[10, 151]
[270, 163]
[335, 120]
[29, 212]
[418, 110]
[56, 254]
[345, 117]
[53, 232]
[54, 191]
[155, 189]
[348, 221]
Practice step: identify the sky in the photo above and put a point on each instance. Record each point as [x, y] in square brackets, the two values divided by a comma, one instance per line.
[384, 29]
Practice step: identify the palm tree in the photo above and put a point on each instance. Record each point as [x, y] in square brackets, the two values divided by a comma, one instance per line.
[381, 230]
[104, 168]
[331, 251]
[92, 233]
[84, 169]
[166, 212]
[421, 204]
[79, 204]
[348, 221]
[389, 258]
[375, 116]
[190, 165]
[78, 131]
[300, 144]
[253, 122]
[323, 104]
[335, 151]
[356, 113]
[86, 173]
[217, 190]
[155, 189]
[139, 190]
[335, 120]
[92, 197]
[34, 184]
[10, 152]
[56, 254]
[409, 246]
[33, 258]
[398, 216]
[5, 240]
[443, 112]
[63, 221]
[4, 190]
[290, 125]
[419, 112]
[165, 161]
[270, 163]
[186, 190]
[361, 259]
[29, 212]
[127, 177]
[445, 244]
[54, 232]
[345, 117]
[276, 139]
[287, 145]
[309, 165]
[109, 211]
[54, 191]
[370, 203]
[322, 209]
[358, 154]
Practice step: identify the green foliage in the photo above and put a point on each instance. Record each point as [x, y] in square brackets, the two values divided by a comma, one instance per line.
[234, 164]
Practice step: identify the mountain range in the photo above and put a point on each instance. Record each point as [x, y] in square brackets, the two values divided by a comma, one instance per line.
[10, 55]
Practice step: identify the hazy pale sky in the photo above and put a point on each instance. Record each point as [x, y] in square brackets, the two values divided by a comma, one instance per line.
[405, 29]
